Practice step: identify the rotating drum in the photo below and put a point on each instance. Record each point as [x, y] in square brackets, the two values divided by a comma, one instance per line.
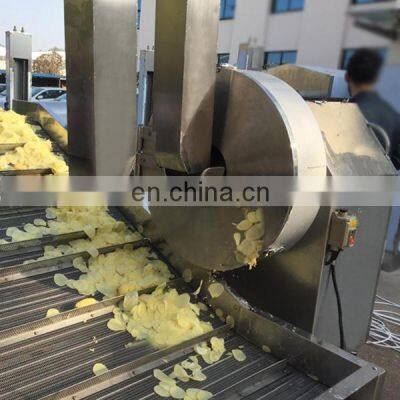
[262, 127]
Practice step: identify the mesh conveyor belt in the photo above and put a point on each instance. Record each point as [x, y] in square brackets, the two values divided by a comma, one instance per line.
[45, 364]
[19, 217]
[261, 376]
[8, 260]
[28, 300]
[63, 358]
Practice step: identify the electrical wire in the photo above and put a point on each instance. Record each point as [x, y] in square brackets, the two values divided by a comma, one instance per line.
[385, 316]
[331, 262]
[339, 307]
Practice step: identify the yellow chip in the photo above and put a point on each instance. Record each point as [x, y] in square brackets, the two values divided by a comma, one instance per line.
[266, 349]
[52, 312]
[237, 237]
[244, 225]
[256, 232]
[86, 302]
[216, 290]
[116, 325]
[99, 369]
[238, 355]
[176, 392]
[159, 390]
[60, 280]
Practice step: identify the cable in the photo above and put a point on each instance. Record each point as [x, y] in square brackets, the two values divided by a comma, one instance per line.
[331, 262]
[382, 319]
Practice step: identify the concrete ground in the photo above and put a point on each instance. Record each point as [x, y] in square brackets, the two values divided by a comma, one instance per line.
[389, 287]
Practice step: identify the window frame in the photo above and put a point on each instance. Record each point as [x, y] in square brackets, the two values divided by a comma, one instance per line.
[223, 11]
[342, 65]
[222, 55]
[274, 9]
[281, 53]
[363, 2]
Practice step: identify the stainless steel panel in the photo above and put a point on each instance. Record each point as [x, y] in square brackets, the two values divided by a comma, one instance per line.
[352, 148]
[358, 271]
[313, 82]
[18, 66]
[101, 68]
[184, 79]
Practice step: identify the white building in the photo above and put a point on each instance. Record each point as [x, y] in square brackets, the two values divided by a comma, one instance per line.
[311, 32]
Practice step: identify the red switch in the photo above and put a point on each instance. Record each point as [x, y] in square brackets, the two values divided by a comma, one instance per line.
[352, 241]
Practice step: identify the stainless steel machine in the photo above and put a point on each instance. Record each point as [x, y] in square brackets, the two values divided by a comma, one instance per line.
[202, 121]
[19, 66]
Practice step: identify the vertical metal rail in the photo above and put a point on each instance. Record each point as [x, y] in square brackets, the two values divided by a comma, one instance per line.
[184, 82]
[101, 40]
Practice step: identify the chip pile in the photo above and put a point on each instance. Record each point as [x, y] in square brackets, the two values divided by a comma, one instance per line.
[248, 238]
[164, 317]
[117, 273]
[102, 230]
[36, 153]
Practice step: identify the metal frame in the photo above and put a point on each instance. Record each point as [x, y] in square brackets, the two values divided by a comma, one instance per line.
[146, 72]
[19, 66]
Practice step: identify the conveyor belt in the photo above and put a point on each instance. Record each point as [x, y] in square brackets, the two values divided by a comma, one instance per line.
[261, 376]
[53, 358]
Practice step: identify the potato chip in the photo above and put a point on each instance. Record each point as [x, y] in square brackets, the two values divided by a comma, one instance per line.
[40, 222]
[160, 391]
[162, 377]
[244, 225]
[218, 344]
[116, 325]
[86, 303]
[99, 369]
[239, 355]
[198, 394]
[237, 237]
[256, 232]
[180, 373]
[52, 312]
[266, 349]
[216, 290]
[176, 392]
[60, 280]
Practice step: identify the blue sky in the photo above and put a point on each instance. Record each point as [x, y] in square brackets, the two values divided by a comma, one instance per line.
[44, 19]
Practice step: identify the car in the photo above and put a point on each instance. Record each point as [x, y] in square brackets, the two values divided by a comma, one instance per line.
[3, 88]
[39, 95]
[45, 94]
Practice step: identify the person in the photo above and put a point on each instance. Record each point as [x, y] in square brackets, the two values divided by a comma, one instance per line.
[363, 71]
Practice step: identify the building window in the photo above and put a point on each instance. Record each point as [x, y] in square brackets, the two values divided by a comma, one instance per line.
[275, 58]
[228, 9]
[279, 6]
[139, 13]
[223, 58]
[348, 53]
[369, 1]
